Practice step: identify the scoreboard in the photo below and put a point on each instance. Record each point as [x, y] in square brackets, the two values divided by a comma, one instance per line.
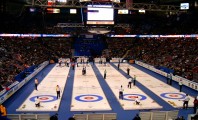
[100, 15]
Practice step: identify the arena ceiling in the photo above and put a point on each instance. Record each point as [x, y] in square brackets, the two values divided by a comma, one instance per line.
[150, 5]
[134, 1]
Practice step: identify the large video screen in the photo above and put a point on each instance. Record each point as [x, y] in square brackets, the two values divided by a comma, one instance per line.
[100, 14]
[184, 6]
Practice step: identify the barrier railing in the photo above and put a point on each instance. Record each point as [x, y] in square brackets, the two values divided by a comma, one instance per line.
[28, 116]
[97, 116]
[159, 115]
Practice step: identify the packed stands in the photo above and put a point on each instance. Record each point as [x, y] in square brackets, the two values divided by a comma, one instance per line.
[18, 54]
[179, 55]
[117, 47]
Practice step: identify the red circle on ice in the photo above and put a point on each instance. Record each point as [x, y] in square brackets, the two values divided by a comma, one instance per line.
[88, 98]
[43, 98]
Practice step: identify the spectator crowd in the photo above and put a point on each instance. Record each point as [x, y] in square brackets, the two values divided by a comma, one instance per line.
[178, 54]
[18, 54]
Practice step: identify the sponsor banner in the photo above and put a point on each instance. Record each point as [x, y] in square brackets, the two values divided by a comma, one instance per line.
[187, 82]
[21, 84]
[175, 78]
[100, 59]
[35, 35]
[2, 92]
[13, 84]
[9, 93]
[2, 99]
[68, 35]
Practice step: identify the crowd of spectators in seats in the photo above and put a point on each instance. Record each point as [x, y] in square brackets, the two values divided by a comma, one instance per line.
[17, 54]
[117, 47]
[178, 54]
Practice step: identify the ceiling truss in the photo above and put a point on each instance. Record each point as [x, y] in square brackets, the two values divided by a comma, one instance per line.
[134, 6]
[78, 25]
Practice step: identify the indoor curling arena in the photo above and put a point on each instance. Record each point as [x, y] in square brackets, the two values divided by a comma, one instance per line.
[100, 90]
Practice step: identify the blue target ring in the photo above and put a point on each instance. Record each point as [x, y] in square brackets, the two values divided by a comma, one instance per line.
[166, 95]
[79, 98]
[142, 97]
[53, 98]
